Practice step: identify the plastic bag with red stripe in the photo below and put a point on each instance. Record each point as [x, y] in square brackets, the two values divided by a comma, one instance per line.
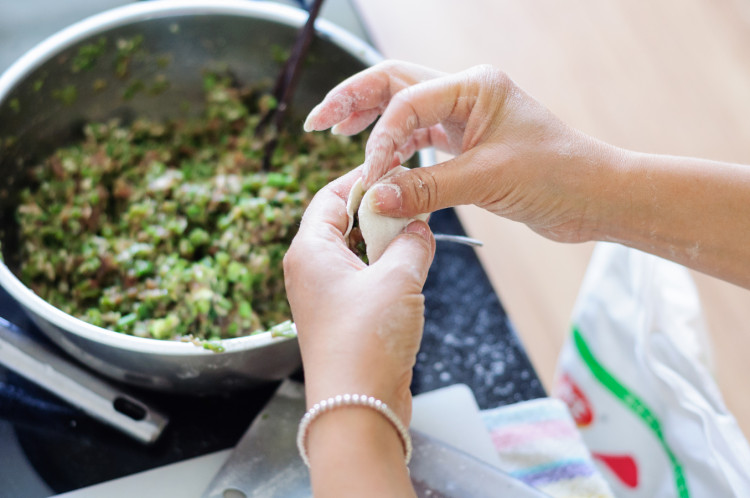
[636, 376]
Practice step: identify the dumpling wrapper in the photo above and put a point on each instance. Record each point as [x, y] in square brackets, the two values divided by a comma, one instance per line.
[377, 230]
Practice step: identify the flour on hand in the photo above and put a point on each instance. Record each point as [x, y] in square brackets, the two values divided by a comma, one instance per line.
[377, 230]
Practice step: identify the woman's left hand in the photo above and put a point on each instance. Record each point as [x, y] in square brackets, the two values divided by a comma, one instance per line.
[359, 326]
[359, 331]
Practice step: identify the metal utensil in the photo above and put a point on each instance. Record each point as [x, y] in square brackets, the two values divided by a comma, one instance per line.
[459, 239]
[265, 461]
[98, 399]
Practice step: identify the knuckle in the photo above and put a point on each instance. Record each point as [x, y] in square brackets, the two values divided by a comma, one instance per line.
[430, 189]
[402, 97]
[493, 76]
[397, 274]
[290, 260]
[402, 102]
[388, 65]
[422, 191]
[485, 69]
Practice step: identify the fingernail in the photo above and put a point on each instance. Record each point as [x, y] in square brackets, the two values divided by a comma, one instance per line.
[307, 126]
[386, 198]
[419, 228]
[310, 117]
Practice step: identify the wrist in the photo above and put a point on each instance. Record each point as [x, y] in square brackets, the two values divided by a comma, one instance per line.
[356, 451]
[378, 382]
[607, 189]
[363, 367]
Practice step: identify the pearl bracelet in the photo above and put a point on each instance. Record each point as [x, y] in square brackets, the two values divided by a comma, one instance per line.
[342, 400]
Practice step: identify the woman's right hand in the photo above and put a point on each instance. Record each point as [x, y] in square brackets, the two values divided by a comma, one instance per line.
[513, 157]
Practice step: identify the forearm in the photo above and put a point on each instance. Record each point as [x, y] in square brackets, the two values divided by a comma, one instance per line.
[354, 451]
[692, 211]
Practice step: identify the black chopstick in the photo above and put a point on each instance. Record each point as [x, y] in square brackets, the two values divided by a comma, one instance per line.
[287, 80]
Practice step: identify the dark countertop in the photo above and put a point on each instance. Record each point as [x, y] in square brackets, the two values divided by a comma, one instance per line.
[467, 339]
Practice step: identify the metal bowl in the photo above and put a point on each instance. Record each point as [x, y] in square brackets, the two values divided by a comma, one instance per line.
[48, 94]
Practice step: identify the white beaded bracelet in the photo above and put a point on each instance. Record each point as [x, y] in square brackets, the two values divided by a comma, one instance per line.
[351, 400]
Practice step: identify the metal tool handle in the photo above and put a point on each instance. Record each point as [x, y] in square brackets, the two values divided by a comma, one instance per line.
[459, 239]
[80, 388]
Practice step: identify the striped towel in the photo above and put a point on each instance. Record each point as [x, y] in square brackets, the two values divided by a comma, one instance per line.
[538, 442]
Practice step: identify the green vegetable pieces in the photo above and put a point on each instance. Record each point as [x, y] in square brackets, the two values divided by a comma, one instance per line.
[173, 230]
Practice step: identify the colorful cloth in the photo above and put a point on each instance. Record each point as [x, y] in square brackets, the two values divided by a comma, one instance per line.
[538, 442]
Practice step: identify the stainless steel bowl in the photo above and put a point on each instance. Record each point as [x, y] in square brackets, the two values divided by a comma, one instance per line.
[38, 114]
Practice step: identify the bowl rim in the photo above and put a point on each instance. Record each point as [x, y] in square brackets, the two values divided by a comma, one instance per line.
[115, 18]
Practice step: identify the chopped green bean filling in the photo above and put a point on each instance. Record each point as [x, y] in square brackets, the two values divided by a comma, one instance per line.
[173, 230]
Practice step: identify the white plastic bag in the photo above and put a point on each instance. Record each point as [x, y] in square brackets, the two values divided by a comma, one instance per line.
[635, 374]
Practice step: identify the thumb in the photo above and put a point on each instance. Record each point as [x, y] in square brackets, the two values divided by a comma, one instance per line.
[410, 254]
[461, 180]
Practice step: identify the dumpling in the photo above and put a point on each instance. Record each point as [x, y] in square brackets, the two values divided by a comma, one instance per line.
[377, 230]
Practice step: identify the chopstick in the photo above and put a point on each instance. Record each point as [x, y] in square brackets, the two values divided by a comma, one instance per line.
[286, 82]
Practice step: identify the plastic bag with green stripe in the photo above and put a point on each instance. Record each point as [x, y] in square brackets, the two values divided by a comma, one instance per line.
[636, 375]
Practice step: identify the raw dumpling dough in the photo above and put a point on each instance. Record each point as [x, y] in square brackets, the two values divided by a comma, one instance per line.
[377, 230]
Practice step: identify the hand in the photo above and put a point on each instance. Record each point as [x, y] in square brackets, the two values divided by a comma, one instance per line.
[359, 326]
[513, 157]
[359, 331]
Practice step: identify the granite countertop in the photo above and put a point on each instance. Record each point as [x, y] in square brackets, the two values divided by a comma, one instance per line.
[468, 337]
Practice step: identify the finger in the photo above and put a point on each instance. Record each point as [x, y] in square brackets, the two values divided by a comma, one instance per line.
[369, 89]
[410, 254]
[321, 233]
[328, 206]
[356, 122]
[420, 106]
[461, 180]
[423, 138]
